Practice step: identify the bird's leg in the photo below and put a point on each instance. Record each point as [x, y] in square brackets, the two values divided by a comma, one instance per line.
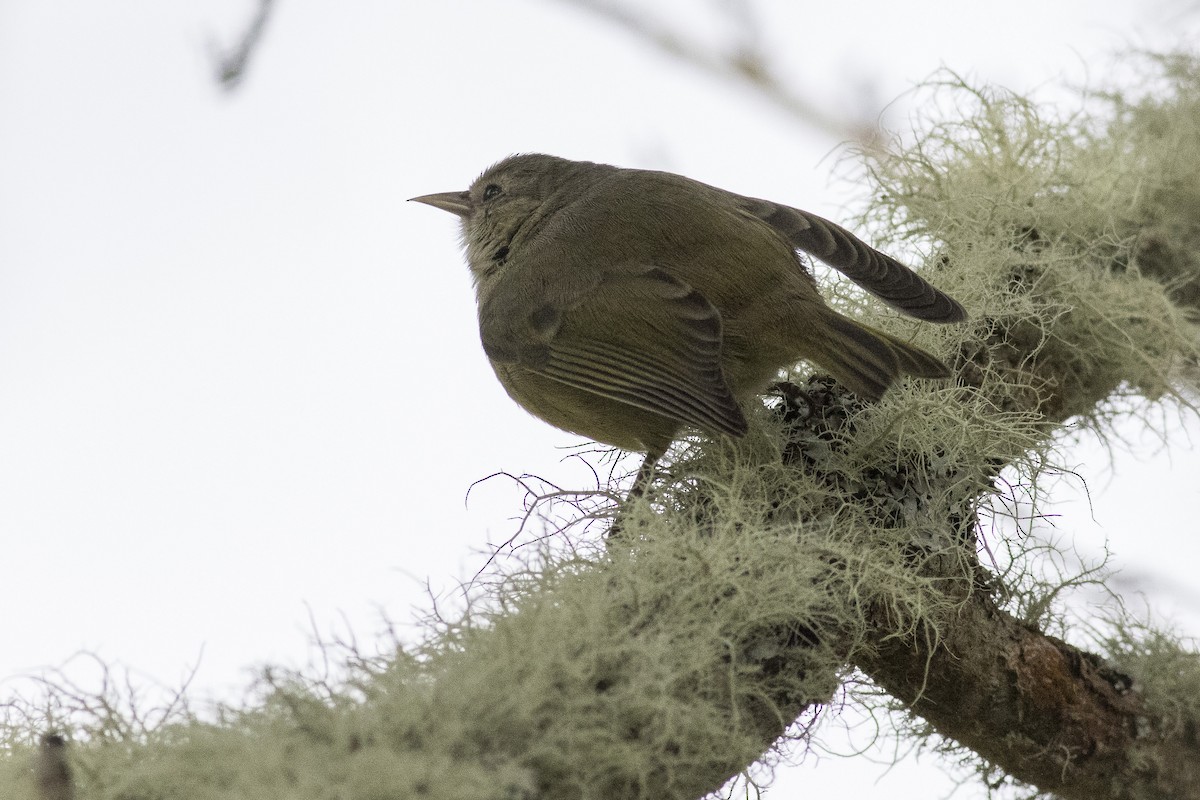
[644, 475]
[641, 484]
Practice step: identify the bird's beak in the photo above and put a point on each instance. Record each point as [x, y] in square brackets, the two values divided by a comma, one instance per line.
[458, 203]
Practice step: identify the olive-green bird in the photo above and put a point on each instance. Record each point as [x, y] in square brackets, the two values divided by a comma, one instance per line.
[624, 305]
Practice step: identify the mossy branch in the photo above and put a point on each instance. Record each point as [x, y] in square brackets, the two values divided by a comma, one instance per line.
[1080, 297]
[748, 586]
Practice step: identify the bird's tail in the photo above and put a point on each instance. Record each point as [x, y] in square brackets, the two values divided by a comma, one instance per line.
[867, 361]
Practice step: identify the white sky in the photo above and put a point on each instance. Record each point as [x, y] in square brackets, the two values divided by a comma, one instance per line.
[240, 379]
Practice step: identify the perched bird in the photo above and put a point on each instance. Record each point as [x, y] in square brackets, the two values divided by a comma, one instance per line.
[624, 305]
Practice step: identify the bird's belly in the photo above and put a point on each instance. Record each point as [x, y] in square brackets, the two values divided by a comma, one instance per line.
[586, 413]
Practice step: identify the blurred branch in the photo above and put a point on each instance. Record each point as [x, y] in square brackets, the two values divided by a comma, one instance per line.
[52, 773]
[746, 63]
[231, 64]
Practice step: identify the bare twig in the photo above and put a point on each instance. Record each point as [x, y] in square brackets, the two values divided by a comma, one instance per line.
[231, 63]
[746, 63]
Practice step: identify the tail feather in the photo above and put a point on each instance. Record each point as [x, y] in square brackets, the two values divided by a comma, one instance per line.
[868, 361]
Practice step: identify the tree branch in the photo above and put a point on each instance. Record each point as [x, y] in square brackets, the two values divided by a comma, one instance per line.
[232, 62]
[1042, 711]
[747, 64]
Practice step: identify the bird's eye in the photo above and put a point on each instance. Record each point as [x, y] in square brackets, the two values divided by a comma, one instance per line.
[490, 191]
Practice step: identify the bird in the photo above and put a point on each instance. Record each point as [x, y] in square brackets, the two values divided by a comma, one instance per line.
[626, 305]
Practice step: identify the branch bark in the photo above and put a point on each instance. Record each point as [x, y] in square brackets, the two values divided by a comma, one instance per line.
[1044, 712]
[1040, 710]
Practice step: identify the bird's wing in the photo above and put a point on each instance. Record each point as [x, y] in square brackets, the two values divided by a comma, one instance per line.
[638, 336]
[878, 273]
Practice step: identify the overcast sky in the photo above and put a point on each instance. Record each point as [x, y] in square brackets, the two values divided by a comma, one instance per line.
[240, 378]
